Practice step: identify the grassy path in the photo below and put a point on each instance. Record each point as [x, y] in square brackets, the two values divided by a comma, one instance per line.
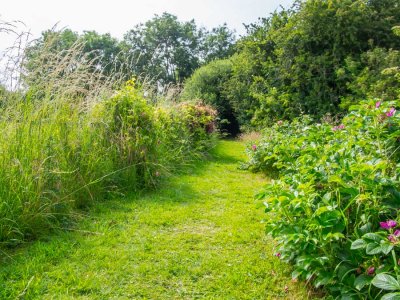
[198, 237]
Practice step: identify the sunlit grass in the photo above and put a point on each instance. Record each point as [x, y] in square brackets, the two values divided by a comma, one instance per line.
[199, 237]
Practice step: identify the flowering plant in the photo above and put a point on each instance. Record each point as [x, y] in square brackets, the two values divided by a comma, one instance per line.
[333, 204]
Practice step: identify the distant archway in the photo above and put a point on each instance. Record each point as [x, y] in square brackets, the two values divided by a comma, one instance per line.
[229, 124]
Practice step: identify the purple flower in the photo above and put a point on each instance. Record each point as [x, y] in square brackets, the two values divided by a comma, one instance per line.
[254, 147]
[388, 224]
[391, 112]
[378, 104]
[371, 270]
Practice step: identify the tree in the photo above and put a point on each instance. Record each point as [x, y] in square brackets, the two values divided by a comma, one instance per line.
[294, 62]
[217, 43]
[106, 50]
[168, 50]
[164, 48]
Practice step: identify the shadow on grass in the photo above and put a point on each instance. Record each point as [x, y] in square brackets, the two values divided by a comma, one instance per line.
[173, 190]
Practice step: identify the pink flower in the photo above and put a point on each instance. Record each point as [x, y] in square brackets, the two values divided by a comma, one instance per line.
[340, 127]
[388, 224]
[254, 147]
[393, 237]
[278, 255]
[378, 104]
[391, 112]
[371, 270]
[280, 122]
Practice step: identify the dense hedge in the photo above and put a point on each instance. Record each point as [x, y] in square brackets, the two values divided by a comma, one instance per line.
[314, 58]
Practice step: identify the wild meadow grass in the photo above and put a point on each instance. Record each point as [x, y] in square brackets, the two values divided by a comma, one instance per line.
[56, 155]
[73, 136]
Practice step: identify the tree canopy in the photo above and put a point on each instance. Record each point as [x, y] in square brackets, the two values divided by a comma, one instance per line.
[318, 57]
[164, 49]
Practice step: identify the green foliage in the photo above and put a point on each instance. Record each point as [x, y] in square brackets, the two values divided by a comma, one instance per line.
[208, 83]
[217, 43]
[61, 153]
[333, 187]
[168, 51]
[196, 237]
[163, 49]
[376, 75]
[103, 51]
[296, 61]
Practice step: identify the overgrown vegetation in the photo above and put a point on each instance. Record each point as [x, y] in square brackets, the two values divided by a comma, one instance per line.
[70, 138]
[315, 58]
[333, 187]
[321, 80]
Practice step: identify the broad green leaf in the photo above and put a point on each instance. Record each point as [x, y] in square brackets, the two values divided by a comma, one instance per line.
[373, 248]
[361, 281]
[358, 244]
[386, 282]
[386, 247]
[321, 210]
[391, 296]
[372, 237]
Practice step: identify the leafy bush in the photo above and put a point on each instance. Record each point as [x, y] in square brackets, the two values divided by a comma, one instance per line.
[335, 192]
[209, 84]
[59, 153]
[297, 60]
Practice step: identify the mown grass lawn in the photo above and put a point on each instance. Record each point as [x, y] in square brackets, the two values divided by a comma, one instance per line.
[199, 236]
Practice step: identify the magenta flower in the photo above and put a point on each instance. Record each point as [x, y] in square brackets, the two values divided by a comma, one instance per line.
[388, 224]
[278, 255]
[254, 147]
[378, 104]
[391, 112]
[341, 126]
[371, 270]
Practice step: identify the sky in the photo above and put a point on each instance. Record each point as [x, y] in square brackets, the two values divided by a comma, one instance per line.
[118, 16]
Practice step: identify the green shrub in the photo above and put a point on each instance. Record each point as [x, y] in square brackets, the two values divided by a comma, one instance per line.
[59, 153]
[334, 186]
[209, 84]
[297, 61]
